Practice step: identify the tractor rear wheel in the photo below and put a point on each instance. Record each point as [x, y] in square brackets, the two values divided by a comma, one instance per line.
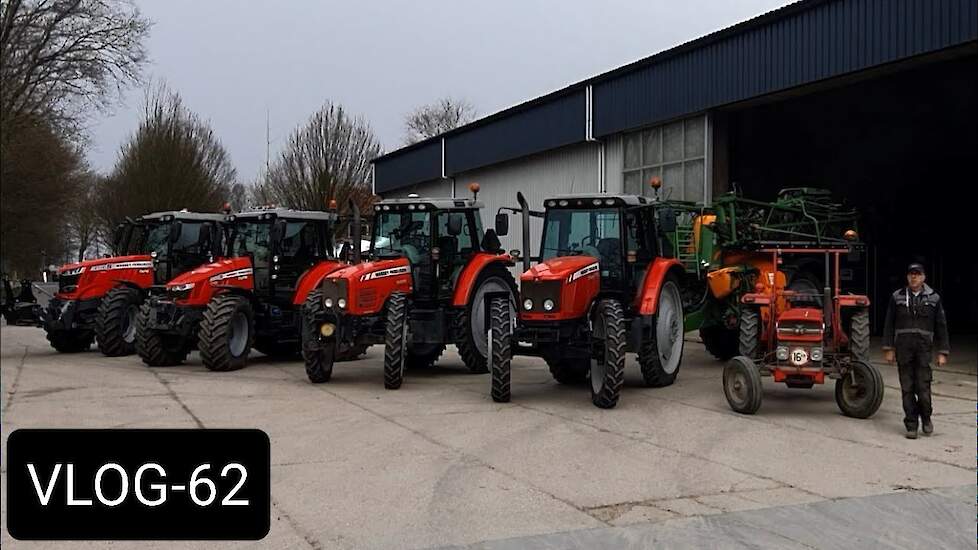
[353, 353]
[395, 341]
[608, 366]
[720, 342]
[749, 337]
[742, 385]
[227, 332]
[471, 324]
[570, 371]
[500, 350]
[859, 393]
[115, 322]
[859, 334]
[155, 348]
[70, 341]
[661, 355]
[317, 353]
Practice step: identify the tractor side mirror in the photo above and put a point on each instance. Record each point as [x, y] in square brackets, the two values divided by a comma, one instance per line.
[454, 224]
[502, 224]
[667, 220]
[175, 231]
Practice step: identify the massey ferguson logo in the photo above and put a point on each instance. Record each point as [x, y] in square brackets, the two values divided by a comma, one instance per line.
[236, 274]
[584, 271]
[124, 265]
[401, 270]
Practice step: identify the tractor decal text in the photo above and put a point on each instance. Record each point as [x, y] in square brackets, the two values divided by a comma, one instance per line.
[400, 270]
[236, 274]
[124, 265]
[583, 272]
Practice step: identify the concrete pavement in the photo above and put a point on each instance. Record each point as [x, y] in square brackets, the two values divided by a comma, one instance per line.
[437, 463]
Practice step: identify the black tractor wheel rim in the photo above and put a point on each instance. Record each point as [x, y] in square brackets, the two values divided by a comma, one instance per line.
[738, 386]
[855, 394]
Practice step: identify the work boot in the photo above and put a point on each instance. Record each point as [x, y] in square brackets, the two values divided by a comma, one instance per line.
[928, 427]
[911, 433]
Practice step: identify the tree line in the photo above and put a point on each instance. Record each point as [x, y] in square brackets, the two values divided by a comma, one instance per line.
[65, 62]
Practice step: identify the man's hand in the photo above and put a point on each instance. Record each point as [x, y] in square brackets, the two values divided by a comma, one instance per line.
[941, 359]
[889, 355]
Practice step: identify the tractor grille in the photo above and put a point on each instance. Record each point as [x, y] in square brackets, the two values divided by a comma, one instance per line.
[335, 289]
[540, 291]
[68, 283]
[798, 329]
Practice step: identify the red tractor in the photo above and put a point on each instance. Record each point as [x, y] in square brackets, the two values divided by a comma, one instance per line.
[801, 337]
[251, 298]
[607, 283]
[98, 299]
[431, 266]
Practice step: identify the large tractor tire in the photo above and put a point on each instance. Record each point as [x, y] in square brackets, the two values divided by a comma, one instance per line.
[859, 393]
[155, 348]
[317, 353]
[661, 355]
[395, 341]
[742, 385]
[354, 352]
[227, 333]
[859, 334]
[749, 336]
[473, 345]
[720, 342]
[569, 371]
[115, 322]
[608, 367]
[500, 350]
[70, 341]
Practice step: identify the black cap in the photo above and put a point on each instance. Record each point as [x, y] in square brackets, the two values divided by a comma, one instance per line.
[915, 267]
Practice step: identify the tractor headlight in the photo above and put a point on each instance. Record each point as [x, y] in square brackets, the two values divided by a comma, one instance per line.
[782, 353]
[548, 304]
[181, 288]
[328, 302]
[342, 303]
[816, 354]
[528, 304]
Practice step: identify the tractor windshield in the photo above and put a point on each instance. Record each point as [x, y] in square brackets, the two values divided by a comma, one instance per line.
[397, 233]
[148, 238]
[596, 233]
[252, 239]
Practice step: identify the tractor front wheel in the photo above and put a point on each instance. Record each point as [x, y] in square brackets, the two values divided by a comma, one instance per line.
[395, 341]
[473, 343]
[227, 332]
[115, 323]
[317, 353]
[500, 352]
[859, 334]
[608, 362]
[859, 392]
[661, 355]
[742, 385]
[155, 348]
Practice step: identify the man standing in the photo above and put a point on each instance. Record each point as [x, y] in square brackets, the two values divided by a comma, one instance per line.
[915, 326]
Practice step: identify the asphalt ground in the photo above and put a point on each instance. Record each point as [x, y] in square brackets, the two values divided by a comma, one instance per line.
[437, 463]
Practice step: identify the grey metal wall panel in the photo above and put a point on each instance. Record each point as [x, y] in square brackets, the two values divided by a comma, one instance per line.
[543, 127]
[827, 39]
[614, 163]
[409, 167]
[432, 188]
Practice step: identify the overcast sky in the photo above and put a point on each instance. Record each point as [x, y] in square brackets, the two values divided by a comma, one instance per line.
[233, 60]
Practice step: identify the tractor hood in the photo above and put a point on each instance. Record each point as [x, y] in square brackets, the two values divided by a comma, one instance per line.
[372, 270]
[562, 268]
[365, 287]
[216, 272]
[113, 263]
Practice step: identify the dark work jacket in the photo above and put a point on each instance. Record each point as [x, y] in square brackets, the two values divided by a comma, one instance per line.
[922, 314]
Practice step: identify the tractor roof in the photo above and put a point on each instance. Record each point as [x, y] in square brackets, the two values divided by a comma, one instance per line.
[287, 213]
[440, 203]
[588, 200]
[181, 215]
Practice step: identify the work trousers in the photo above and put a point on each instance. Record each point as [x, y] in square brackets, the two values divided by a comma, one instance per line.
[914, 353]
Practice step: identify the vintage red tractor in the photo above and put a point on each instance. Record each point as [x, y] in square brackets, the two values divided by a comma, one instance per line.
[431, 265]
[607, 283]
[98, 299]
[250, 298]
[801, 337]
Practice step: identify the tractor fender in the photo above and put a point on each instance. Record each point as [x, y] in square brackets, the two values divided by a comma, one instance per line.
[647, 299]
[312, 278]
[470, 274]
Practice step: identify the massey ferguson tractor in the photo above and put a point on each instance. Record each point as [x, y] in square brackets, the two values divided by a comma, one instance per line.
[606, 283]
[798, 338]
[251, 297]
[98, 299]
[431, 266]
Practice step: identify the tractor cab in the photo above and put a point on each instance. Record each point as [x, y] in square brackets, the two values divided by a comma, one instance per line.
[176, 241]
[437, 237]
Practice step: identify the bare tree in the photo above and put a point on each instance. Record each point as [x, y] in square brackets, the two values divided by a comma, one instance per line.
[437, 118]
[61, 58]
[84, 228]
[173, 161]
[327, 158]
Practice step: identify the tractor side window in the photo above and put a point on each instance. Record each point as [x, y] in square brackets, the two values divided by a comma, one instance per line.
[300, 245]
[155, 239]
[251, 239]
[187, 242]
[454, 245]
